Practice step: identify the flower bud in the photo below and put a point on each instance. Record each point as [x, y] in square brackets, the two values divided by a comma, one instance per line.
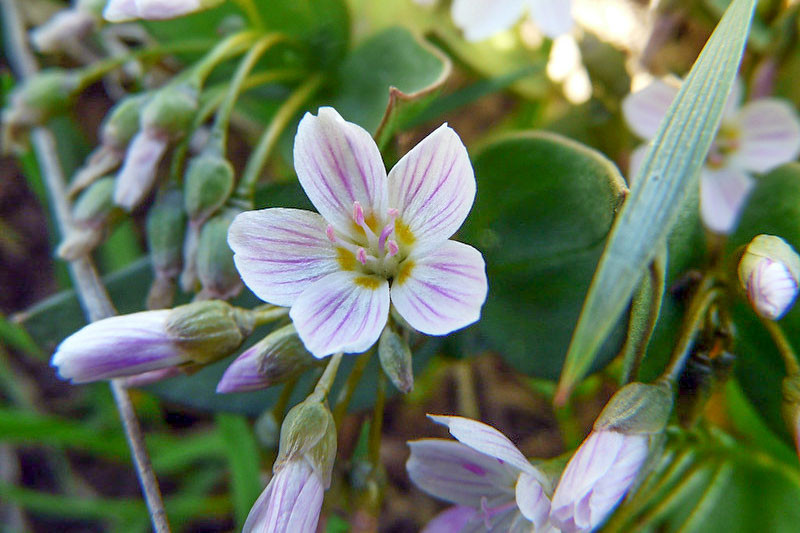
[215, 269]
[207, 184]
[791, 406]
[395, 357]
[636, 409]
[208, 330]
[122, 122]
[91, 215]
[139, 171]
[170, 111]
[124, 10]
[166, 227]
[126, 345]
[65, 28]
[278, 357]
[36, 100]
[769, 272]
[309, 431]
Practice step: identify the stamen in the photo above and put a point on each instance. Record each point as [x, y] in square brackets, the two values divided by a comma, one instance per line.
[393, 212]
[385, 232]
[361, 255]
[358, 214]
[331, 235]
[392, 248]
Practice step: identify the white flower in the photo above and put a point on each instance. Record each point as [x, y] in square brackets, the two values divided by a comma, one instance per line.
[123, 10]
[334, 269]
[493, 485]
[596, 479]
[480, 19]
[771, 289]
[63, 30]
[753, 138]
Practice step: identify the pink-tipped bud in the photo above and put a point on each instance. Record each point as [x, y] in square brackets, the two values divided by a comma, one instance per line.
[769, 272]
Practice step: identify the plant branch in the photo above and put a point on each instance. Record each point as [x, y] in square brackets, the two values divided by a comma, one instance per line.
[88, 285]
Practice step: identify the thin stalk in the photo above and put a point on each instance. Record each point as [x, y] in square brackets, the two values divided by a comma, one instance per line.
[266, 314]
[346, 394]
[784, 346]
[88, 285]
[233, 45]
[706, 294]
[258, 158]
[279, 409]
[223, 118]
[250, 9]
[325, 382]
[376, 428]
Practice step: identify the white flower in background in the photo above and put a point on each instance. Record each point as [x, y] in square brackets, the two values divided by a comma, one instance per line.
[596, 478]
[480, 19]
[64, 29]
[753, 138]
[123, 10]
[334, 269]
[493, 485]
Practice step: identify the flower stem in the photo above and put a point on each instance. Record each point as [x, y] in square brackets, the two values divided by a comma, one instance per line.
[705, 295]
[376, 427]
[258, 158]
[249, 7]
[266, 314]
[346, 394]
[88, 285]
[220, 129]
[326, 380]
[784, 346]
[235, 44]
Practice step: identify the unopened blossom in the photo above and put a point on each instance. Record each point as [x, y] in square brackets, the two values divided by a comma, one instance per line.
[753, 138]
[292, 501]
[769, 272]
[127, 345]
[377, 241]
[596, 478]
[63, 30]
[492, 484]
[122, 10]
[480, 19]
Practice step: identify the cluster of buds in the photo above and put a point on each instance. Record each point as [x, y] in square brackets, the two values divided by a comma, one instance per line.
[769, 272]
[195, 334]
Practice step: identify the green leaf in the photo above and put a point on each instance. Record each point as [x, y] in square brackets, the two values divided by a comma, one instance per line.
[380, 81]
[543, 209]
[772, 208]
[664, 181]
[245, 466]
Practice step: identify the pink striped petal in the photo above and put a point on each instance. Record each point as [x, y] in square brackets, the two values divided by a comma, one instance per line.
[139, 170]
[342, 312]
[644, 110]
[456, 473]
[770, 135]
[338, 163]
[291, 503]
[533, 503]
[442, 289]
[450, 520]
[553, 17]
[480, 19]
[432, 187]
[722, 196]
[280, 252]
[484, 439]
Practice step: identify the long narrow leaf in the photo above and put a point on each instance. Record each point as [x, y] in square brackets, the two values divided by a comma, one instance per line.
[666, 178]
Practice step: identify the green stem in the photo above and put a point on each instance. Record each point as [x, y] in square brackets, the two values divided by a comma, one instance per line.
[220, 129]
[352, 381]
[326, 380]
[258, 158]
[279, 409]
[706, 294]
[266, 314]
[376, 428]
[235, 44]
[784, 346]
[96, 71]
[250, 9]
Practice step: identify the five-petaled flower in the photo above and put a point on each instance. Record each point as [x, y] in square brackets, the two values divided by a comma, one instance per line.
[480, 19]
[493, 485]
[334, 269]
[754, 137]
